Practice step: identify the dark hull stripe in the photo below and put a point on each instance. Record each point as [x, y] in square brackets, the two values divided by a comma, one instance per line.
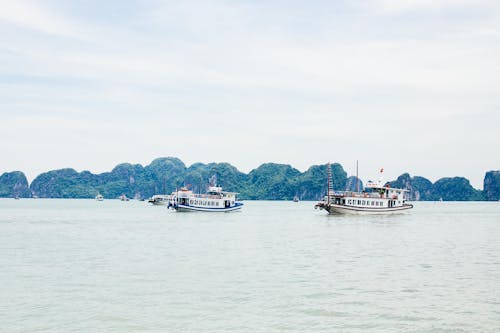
[374, 210]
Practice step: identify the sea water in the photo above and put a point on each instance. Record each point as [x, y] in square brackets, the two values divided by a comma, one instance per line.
[112, 266]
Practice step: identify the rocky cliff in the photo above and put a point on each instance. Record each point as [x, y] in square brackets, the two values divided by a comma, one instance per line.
[270, 181]
[491, 185]
[447, 189]
[14, 184]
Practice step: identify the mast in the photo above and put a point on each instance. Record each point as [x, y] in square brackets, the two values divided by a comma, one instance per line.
[357, 178]
[330, 182]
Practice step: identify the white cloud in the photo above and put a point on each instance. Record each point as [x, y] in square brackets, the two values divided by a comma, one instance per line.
[30, 15]
[404, 6]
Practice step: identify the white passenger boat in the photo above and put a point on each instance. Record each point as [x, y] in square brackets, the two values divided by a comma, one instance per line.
[99, 197]
[215, 200]
[374, 199]
[160, 199]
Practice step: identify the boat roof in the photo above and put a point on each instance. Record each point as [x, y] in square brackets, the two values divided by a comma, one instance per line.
[374, 185]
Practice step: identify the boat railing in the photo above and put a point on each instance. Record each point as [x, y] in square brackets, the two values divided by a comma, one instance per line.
[342, 194]
[206, 196]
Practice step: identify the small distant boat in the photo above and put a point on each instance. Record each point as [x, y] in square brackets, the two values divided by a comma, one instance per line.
[160, 199]
[295, 199]
[16, 197]
[123, 197]
[375, 199]
[99, 197]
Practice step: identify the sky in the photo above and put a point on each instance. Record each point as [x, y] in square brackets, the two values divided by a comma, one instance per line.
[405, 85]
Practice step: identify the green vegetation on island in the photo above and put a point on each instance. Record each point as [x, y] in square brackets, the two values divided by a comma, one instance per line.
[270, 181]
[491, 191]
[14, 184]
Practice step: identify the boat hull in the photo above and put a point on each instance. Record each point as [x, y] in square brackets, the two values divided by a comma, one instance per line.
[186, 208]
[341, 209]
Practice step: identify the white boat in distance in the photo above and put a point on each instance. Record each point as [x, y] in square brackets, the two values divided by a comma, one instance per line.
[123, 197]
[161, 199]
[215, 200]
[99, 197]
[375, 199]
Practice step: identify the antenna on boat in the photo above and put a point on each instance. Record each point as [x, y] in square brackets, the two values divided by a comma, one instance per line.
[357, 178]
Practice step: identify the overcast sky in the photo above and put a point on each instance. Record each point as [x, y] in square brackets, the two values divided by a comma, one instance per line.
[407, 85]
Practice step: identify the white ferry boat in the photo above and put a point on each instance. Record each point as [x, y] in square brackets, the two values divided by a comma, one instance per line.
[374, 199]
[215, 200]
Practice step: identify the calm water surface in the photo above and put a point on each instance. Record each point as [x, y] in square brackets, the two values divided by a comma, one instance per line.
[87, 266]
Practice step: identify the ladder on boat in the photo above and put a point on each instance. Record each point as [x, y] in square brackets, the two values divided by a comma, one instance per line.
[330, 182]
